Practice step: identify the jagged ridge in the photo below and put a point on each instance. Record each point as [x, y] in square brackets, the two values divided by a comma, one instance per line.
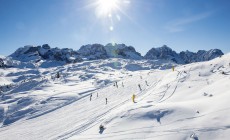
[98, 51]
[183, 57]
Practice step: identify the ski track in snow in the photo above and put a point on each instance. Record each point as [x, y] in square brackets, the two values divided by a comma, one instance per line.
[95, 121]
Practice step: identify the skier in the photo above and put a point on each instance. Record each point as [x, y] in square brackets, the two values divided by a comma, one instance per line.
[97, 94]
[139, 87]
[173, 68]
[146, 83]
[91, 97]
[133, 98]
[106, 101]
[101, 129]
[122, 84]
[116, 84]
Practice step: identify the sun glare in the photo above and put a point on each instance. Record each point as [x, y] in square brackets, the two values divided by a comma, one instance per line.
[110, 11]
[106, 7]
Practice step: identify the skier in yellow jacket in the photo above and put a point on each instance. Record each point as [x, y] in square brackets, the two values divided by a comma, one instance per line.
[133, 98]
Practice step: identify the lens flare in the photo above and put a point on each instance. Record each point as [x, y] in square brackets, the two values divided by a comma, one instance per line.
[111, 28]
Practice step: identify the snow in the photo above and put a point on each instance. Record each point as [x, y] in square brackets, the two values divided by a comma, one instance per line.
[189, 103]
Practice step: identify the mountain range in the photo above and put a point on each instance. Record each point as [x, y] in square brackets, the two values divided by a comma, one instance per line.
[31, 53]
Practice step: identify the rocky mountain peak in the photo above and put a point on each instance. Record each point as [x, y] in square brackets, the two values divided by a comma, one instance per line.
[163, 52]
[98, 51]
[93, 52]
[183, 57]
[45, 52]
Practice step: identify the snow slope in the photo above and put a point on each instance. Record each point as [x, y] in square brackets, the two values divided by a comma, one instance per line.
[188, 103]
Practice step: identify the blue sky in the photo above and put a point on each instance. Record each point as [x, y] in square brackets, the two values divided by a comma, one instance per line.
[180, 24]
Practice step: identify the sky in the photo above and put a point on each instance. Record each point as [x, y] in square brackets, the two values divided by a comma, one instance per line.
[180, 24]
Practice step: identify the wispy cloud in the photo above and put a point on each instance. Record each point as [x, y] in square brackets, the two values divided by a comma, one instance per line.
[179, 24]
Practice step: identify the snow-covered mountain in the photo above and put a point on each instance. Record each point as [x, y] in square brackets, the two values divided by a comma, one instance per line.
[98, 51]
[93, 52]
[183, 57]
[163, 52]
[122, 51]
[31, 53]
[201, 55]
[189, 103]
[45, 52]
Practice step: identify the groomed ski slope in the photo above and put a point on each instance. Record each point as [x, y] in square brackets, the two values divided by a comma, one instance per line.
[191, 102]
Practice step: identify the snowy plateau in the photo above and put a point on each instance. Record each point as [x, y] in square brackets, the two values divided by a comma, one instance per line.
[93, 98]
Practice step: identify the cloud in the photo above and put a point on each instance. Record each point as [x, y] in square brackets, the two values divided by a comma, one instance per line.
[178, 25]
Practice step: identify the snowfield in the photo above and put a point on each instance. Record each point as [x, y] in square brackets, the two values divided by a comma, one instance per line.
[190, 103]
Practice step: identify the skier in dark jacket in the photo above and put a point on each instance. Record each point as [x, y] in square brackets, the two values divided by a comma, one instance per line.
[90, 97]
[146, 83]
[139, 87]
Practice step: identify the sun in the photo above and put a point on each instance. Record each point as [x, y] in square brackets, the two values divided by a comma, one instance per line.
[106, 7]
[109, 12]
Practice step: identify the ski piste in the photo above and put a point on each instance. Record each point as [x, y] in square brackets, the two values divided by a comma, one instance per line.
[187, 103]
